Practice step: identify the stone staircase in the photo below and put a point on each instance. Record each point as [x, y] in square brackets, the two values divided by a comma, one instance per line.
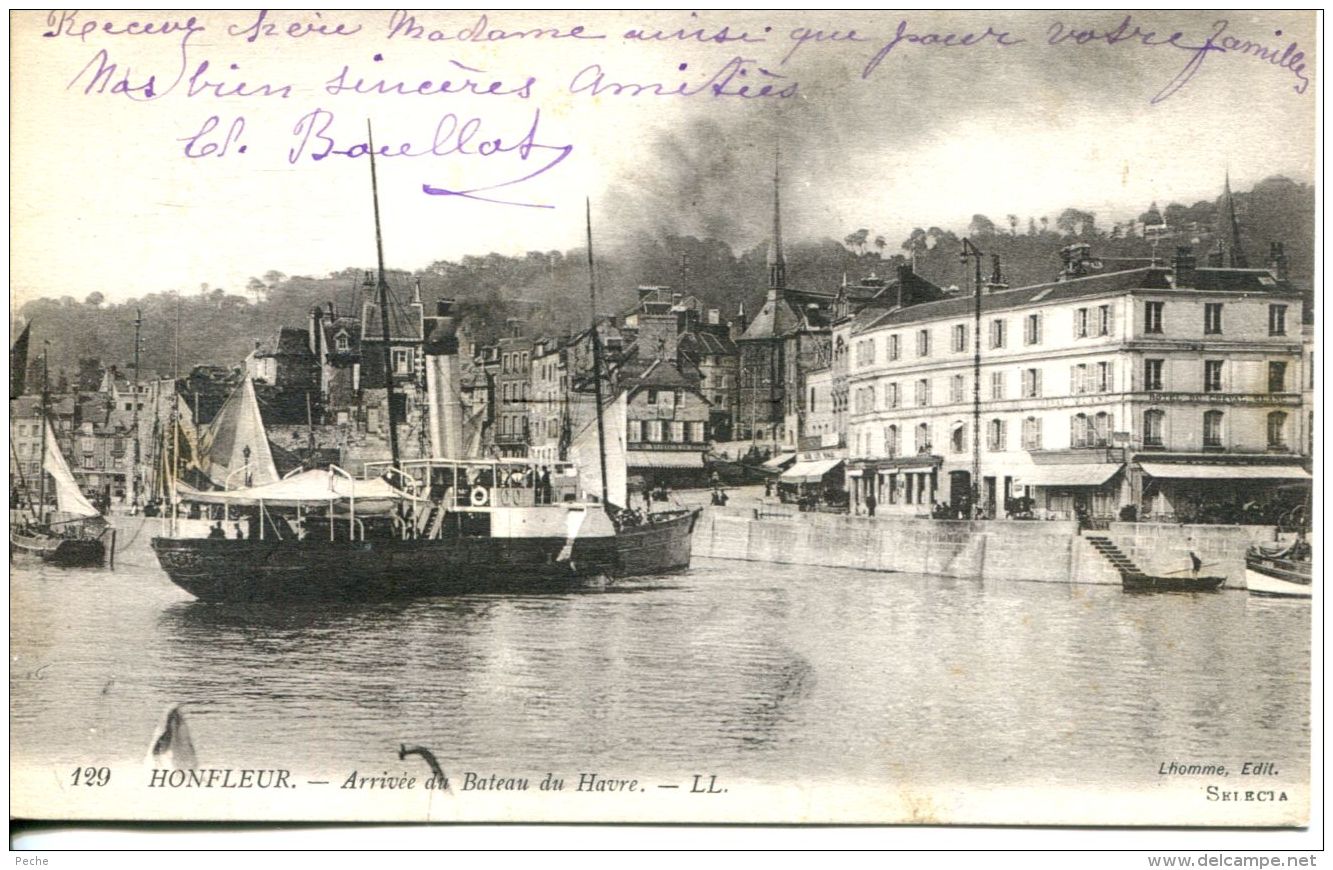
[1113, 554]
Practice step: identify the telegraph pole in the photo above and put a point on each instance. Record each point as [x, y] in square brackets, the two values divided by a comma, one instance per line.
[971, 250]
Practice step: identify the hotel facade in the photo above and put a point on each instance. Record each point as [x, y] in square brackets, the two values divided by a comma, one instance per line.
[1151, 392]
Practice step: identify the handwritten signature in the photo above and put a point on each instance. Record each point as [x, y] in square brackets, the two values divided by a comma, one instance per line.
[453, 136]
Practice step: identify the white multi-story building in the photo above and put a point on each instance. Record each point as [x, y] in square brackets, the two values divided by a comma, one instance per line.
[1168, 390]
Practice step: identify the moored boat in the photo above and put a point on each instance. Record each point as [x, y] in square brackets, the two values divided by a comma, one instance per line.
[1283, 570]
[75, 541]
[1134, 582]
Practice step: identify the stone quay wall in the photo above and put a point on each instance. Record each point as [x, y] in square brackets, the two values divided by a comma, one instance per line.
[1042, 551]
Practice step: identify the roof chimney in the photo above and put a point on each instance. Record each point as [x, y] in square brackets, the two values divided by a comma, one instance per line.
[1278, 263]
[996, 281]
[1184, 265]
[443, 307]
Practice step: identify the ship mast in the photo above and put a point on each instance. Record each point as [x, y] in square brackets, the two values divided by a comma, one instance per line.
[596, 356]
[383, 303]
[41, 475]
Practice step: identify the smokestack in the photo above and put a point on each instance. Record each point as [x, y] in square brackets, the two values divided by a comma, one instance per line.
[1184, 265]
[317, 333]
[444, 390]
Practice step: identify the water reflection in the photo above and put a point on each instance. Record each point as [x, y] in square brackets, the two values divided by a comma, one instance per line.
[764, 671]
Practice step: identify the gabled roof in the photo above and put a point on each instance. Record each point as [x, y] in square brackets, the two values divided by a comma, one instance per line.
[290, 341]
[1147, 278]
[702, 342]
[661, 375]
[403, 324]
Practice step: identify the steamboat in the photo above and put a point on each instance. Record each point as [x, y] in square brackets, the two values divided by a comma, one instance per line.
[434, 526]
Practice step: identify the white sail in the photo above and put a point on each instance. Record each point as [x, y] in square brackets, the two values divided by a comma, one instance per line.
[584, 454]
[236, 440]
[69, 498]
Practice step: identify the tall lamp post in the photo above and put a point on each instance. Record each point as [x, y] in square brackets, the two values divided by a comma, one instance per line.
[971, 251]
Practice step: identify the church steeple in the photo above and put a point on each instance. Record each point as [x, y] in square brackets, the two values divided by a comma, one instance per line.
[777, 266]
[1238, 258]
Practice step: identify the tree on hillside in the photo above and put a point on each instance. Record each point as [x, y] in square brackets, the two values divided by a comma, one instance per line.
[94, 298]
[857, 240]
[1013, 224]
[981, 226]
[880, 245]
[1152, 217]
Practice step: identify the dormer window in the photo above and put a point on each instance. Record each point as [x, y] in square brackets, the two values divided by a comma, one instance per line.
[342, 343]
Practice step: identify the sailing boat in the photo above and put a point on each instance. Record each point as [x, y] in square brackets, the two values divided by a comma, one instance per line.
[76, 539]
[437, 526]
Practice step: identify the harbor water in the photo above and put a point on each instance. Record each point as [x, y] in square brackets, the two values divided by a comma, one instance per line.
[762, 672]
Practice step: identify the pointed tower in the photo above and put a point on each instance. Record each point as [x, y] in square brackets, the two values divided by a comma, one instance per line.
[777, 265]
[1238, 258]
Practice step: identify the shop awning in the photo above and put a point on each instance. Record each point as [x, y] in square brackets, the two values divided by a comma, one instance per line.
[664, 459]
[1225, 472]
[810, 472]
[782, 460]
[1082, 474]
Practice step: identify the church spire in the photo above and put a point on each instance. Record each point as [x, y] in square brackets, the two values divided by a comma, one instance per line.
[777, 266]
[1238, 258]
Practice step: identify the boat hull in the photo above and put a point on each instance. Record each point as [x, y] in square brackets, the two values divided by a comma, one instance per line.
[1149, 583]
[252, 570]
[59, 551]
[1278, 577]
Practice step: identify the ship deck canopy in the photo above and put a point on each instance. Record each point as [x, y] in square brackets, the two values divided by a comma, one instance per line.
[810, 472]
[1225, 472]
[305, 489]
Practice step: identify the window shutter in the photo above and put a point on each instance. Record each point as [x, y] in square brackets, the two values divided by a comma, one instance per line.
[1036, 432]
[1110, 319]
[1076, 319]
[1037, 381]
[1073, 380]
[1110, 378]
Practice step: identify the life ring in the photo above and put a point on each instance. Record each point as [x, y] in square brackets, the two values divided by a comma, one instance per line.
[479, 496]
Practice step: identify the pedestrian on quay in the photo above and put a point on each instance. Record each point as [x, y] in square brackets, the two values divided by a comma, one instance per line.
[871, 502]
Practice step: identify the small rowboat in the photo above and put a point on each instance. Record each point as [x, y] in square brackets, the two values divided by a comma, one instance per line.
[1180, 583]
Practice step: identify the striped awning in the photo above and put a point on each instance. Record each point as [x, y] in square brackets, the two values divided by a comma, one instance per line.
[1225, 472]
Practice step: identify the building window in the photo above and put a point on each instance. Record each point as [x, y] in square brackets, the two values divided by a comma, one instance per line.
[635, 432]
[1032, 329]
[654, 430]
[1104, 320]
[958, 438]
[997, 333]
[1152, 374]
[1277, 431]
[1080, 431]
[1031, 434]
[652, 396]
[697, 433]
[1104, 377]
[956, 389]
[1153, 424]
[1031, 383]
[1277, 320]
[1078, 378]
[1081, 323]
[891, 441]
[678, 431]
[1212, 429]
[996, 434]
[922, 393]
[1152, 317]
[402, 360]
[813, 408]
[1212, 318]
[342, 343]
[1277, 377]
[895, 347]
[1212, 376]
[960, 338]
[891, 395]
[923, 342]
[923, 438]
[997, 385]
[1101, 429]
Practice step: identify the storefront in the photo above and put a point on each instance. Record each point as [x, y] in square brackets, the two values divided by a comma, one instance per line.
[1198, 492]
[906, 486]
[1068, 490]
[816, 478]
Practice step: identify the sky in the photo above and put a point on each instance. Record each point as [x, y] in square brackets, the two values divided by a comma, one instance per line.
[124, 194]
